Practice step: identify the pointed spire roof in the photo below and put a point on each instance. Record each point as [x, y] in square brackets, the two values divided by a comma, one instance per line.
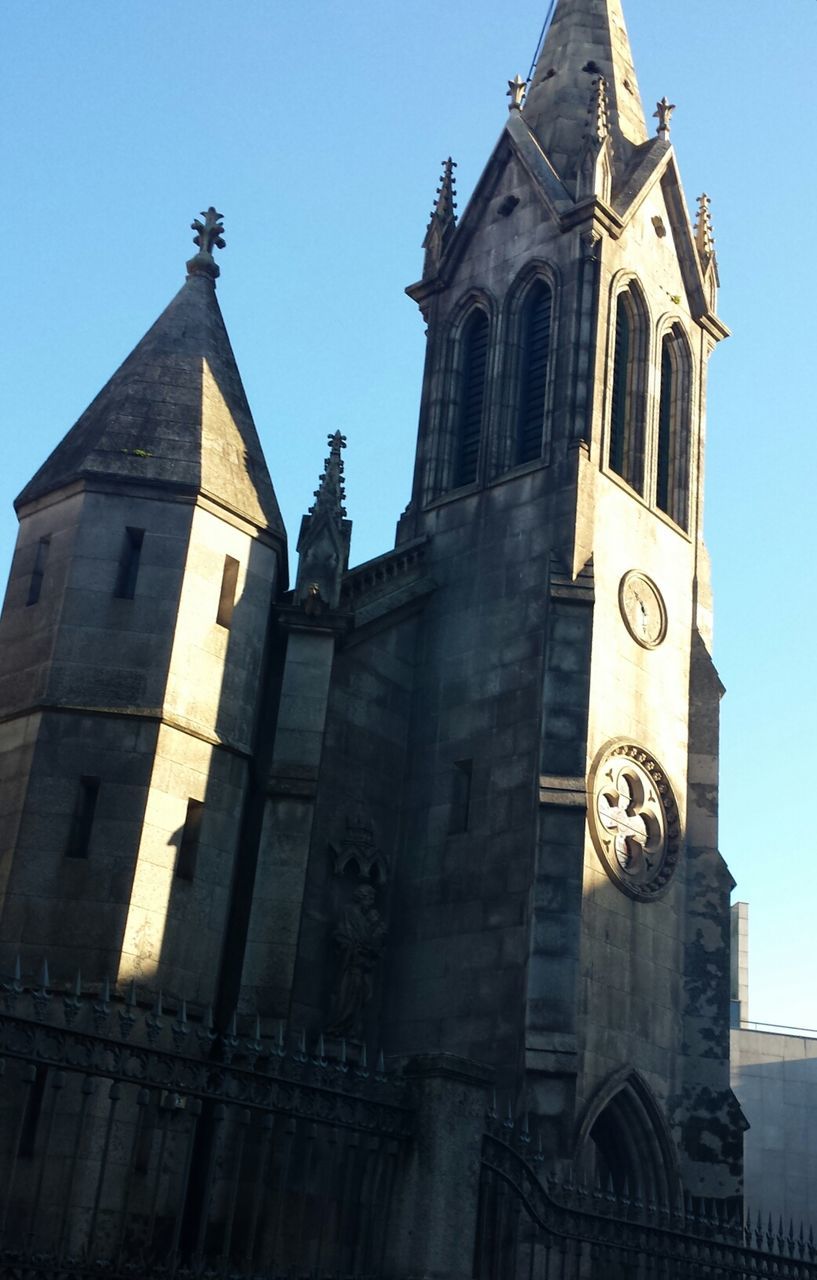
[586, 39]
[174, 415]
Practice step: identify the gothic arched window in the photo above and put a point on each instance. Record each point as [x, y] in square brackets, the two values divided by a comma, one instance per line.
[473, 368]
[672, 470]
[535, 358]
[628, 397]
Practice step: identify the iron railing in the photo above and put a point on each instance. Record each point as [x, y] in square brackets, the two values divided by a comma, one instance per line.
[533, 1228]
[137, 1143]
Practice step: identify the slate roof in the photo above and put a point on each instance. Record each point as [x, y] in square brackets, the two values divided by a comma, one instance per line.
[174, 415]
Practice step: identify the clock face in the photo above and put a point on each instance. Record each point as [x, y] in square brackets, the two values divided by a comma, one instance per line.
[643, 609]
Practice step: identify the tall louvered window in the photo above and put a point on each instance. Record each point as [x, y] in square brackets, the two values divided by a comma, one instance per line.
[628, 400]
[474, 366]
[672, 470]
[536, 320]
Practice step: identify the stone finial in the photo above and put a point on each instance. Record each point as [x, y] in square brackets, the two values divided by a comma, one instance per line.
[704, 238]
[517, 89]
[209, 235]
[663, 114]
[323, 545]
[330, 494]
[443, 220]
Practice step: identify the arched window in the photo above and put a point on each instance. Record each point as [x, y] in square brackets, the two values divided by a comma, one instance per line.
[628, 398]
[535, 357]
[472, 398]
[672, 471]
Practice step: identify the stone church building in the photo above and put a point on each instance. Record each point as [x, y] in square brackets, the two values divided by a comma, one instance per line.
[458, 800]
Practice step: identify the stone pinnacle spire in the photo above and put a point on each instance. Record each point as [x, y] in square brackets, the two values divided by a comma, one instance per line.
[443, 220]
[704, 237]
[587, 39]
[323, 544]
[330, 494]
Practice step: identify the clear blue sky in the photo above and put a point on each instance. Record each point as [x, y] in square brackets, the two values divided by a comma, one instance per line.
[318, 127]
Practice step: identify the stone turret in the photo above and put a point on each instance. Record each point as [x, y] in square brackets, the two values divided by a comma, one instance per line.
[150, 550]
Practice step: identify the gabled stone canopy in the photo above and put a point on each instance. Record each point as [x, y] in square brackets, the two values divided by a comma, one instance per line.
[174, 415]
[586, 39]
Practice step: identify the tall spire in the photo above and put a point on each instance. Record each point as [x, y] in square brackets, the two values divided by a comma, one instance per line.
[587, 39]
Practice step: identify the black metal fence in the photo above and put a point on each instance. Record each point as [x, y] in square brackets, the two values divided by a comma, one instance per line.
[137, 1143]
[531, 1228]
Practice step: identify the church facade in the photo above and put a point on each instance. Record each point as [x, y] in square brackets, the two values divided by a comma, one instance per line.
[459, 800]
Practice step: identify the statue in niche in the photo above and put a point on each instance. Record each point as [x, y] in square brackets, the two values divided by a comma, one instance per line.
[360, 936]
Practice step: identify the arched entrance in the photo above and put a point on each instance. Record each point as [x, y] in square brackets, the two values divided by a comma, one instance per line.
[624, 1141]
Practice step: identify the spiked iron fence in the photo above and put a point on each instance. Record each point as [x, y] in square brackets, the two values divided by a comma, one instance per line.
[134, 1143]
[532, 1228]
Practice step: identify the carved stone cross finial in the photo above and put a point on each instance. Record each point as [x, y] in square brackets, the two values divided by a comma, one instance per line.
[209, 235]
[663, 115]
[516, 93]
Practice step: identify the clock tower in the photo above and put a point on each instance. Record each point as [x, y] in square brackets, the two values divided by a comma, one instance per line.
[540, 757]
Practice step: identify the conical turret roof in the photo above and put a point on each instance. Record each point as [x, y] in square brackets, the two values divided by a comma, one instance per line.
[586, 39]
[174, 415]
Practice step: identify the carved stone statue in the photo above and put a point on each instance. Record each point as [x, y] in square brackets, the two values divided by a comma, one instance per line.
[360, 936]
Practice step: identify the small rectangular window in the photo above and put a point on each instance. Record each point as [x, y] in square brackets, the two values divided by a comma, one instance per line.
[189, 844]
[35, 586]
[129, 563]
[79, 838]
[226, 601]
[460, 796]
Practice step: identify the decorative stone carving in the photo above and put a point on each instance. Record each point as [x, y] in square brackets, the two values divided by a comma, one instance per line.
[643, 609]
[663, 114]
[634, 819]
[357, 854]
[360, 936]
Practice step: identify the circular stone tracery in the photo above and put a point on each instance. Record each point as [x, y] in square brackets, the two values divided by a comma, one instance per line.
[634, 819]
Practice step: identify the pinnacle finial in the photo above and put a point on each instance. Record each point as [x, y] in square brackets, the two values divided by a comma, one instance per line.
[330, 494]
[445, 205]
[599, 122]
[209, 235]
[663, 114]
[443, 219]
[517, 89]
[704, 237]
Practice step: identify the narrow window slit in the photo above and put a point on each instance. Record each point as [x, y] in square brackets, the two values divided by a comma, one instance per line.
[129, 563]
[226, 600]
[79, 838]
[461, 796]
[35, 586]
[189, 843]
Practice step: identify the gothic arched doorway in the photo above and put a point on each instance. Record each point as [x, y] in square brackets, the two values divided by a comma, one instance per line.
[624, 1141]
